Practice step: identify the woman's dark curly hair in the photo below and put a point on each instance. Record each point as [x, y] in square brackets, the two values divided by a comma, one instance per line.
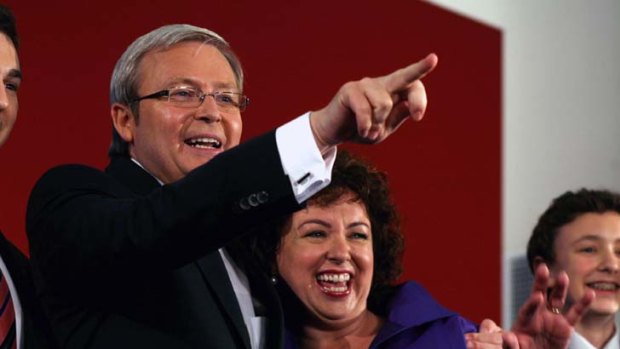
[563, 210]
[369, 186]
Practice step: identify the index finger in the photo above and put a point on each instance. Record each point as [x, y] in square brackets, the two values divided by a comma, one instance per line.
[402, 78]
[541, 278]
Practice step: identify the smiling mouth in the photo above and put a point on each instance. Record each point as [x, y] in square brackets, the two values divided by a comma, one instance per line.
[603, 286]
[334, 284]
[204, 143]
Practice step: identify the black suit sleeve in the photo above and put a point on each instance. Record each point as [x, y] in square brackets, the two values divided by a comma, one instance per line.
[86, 228]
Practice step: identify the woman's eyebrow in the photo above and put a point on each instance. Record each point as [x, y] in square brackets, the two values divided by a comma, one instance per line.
[315, 221]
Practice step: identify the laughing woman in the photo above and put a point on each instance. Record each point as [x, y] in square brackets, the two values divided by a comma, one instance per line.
[335, 263]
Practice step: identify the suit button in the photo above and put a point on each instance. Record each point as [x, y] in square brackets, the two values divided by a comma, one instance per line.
[263, 197]
[253, 200]
[244, 205]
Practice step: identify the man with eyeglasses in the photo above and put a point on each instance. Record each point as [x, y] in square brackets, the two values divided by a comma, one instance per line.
[135, 257]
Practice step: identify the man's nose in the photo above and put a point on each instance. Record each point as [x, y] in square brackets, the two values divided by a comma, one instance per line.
[209, 110]
[610, 261]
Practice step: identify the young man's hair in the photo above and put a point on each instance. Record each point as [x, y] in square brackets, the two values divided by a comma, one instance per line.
[563, 210]
[7, 25]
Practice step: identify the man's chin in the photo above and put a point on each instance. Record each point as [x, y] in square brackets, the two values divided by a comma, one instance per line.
[199, 160]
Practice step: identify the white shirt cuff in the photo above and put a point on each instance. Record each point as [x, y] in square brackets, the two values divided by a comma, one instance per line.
[307, 169]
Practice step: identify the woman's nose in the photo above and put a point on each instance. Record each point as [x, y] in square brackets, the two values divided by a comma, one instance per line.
[338, 251]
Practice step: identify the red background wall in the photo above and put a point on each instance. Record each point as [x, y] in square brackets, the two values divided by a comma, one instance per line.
[445, 171]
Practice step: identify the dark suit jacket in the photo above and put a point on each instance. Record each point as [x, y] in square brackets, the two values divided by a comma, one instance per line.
[122, 262]
[35, 327]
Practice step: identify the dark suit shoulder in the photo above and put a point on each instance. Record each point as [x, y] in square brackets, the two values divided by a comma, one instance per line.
[61, 183]
[69, 176]
[69, 170]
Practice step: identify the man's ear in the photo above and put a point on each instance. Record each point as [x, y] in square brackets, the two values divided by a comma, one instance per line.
[124, 121]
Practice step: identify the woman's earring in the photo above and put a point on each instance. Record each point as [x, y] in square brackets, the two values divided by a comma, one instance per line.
[274, 279]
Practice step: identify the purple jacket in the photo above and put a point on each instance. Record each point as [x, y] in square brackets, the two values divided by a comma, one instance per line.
[416, 321]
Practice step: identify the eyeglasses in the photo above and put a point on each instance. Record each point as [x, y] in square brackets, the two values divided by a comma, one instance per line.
[188, 97]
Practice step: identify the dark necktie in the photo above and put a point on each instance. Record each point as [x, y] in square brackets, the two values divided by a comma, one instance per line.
[7, 316]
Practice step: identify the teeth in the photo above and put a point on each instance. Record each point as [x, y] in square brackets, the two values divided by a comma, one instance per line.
[344, 277]
[603, 286]
[336, 289]
[205, 142]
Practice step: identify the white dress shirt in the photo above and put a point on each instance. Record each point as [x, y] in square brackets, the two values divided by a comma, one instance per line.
[577, 341]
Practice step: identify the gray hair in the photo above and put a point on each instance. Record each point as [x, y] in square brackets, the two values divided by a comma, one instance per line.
[124, 83]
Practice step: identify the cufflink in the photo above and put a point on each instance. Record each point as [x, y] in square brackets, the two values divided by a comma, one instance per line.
[303, 179]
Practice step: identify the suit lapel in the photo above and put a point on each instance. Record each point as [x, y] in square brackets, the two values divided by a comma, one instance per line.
[211, 266]
[16, 263]
[214, 272]
[263, 291]
[262, 288]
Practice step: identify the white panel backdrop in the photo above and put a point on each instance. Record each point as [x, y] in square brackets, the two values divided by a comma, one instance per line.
[561, 104]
